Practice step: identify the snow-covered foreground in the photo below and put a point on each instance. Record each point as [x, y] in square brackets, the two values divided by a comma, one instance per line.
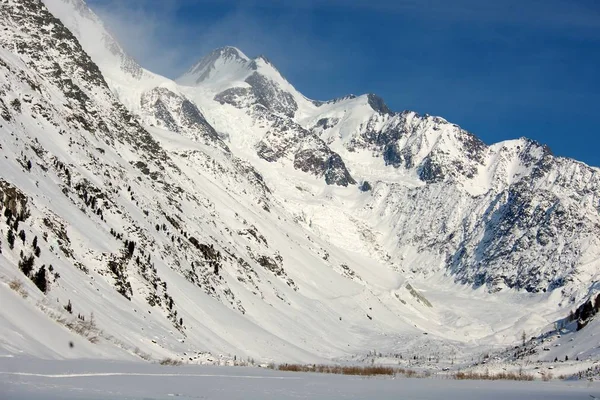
[79, 379]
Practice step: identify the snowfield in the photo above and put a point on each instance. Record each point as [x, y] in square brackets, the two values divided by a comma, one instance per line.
[25, 379]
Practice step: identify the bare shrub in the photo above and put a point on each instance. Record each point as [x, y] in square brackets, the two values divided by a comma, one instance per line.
[294, 368]
[339, 369]
[88, 329]
[409, 373]
[509, 376]
[546, 376]
[18, 287]
[141, 354]
[170, 362]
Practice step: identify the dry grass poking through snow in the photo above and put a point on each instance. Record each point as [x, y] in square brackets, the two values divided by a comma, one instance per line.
[343, 370]
[546, 376]
[141, 354]
[375, 370]
[170, 361]
[486, 376]
[18, 287]
[85, 328]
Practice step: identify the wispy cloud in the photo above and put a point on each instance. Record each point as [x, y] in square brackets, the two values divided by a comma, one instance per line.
[148, 34]
[163, 39]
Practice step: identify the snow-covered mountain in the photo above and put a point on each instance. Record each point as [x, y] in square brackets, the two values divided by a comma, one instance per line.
[226, 213]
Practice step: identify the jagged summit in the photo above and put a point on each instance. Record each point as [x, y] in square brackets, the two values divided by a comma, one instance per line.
[226, 54]
[227, 57]
[227, 67]
[230, 51]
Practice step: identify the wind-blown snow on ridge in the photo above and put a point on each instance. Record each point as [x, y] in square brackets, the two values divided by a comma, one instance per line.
[224, 64]
[250, 235]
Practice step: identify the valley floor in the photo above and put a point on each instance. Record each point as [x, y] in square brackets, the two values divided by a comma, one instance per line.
[28, 378]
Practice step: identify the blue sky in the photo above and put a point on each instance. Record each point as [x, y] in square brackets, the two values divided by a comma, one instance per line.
[501, 69]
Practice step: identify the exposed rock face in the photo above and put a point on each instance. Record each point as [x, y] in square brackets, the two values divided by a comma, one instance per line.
[261, 92]
[270, 96]
[285, 138]
[176, 113]
[265, 100]
[309, 153]
[437, 149]
[378, 104]
[79, 79]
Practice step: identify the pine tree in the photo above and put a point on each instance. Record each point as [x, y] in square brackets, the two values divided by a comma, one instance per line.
[26, 265]
[22, 236]
[34, 243]
[40, 279]
[10, 236]
[131, 247]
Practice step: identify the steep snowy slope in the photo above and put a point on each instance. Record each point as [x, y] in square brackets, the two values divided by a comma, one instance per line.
[107, 209]
[220, 213]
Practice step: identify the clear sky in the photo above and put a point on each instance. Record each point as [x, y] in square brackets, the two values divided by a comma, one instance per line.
[501, 69]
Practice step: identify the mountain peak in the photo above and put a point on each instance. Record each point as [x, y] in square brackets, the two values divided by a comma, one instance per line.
[230, 52]
[229, 56]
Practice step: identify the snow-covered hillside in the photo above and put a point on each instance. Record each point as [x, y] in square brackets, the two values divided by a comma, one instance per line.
[226, 216]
